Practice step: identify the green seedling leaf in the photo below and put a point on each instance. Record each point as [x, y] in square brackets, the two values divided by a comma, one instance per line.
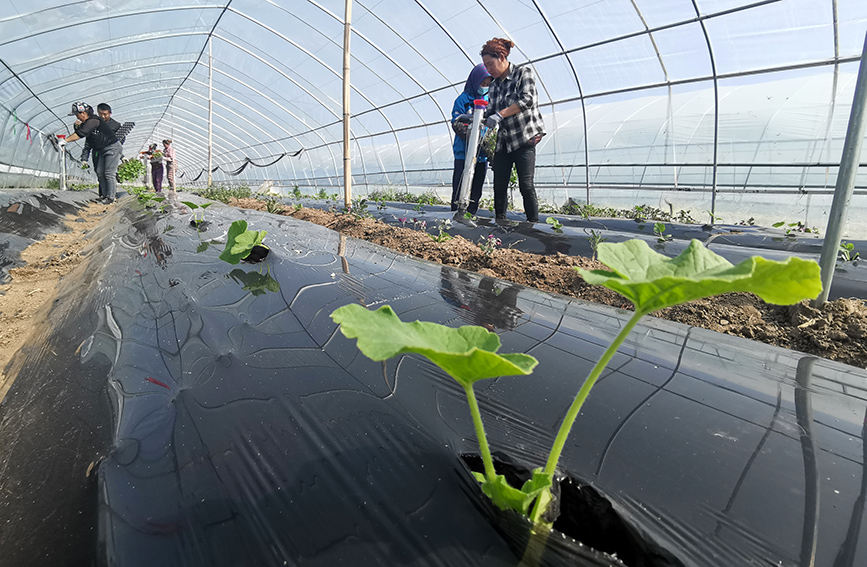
[507, 497]
[228, 255]
[240, 241]
[652, 281]
[206, 205]
[190, 204]
[248, 239]
[202, 247]
[467, 354]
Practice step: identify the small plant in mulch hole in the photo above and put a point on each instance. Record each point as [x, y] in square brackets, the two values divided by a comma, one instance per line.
[650, 280]
[198, 220]
[659, 233]
[149, 200]
[847, 252]
[555, 224]
[243, 244]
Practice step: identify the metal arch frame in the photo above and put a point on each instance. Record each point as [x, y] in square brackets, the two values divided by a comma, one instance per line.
[194, 102]
[103, 18]
[14, 75]
[836, 62]
[393, 62]
[293, 81]
[832, 107]
[583, 105]
[662, 127]
[668, 26]
[324, 65]
[310, 129]
[410, 45]
[278, 142]
[762, 138]
[117, 71]
[65, 56]
[126, 85]
[193, 67]
[189, 127]
[50, 60]
[65, 85]
[715, 171]
[442, 27]
[659, 57]
[157, 120]
[245, 105]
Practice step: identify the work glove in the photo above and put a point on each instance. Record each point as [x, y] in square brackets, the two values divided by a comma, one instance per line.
[493, 120]
[61, 143]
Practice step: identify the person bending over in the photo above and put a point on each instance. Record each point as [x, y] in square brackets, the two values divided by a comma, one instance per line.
[101, 138]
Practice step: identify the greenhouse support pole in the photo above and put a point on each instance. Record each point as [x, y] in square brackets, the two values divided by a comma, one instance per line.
[210, 109]
[347, 163]
[845, 180]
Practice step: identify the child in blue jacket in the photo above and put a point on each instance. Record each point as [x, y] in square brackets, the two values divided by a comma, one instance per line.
[476, 87]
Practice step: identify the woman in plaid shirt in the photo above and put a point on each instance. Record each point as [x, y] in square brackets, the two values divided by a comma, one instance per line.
[514, 107]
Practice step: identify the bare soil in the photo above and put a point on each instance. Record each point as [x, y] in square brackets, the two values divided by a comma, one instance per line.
[34, 285]
[838, 331]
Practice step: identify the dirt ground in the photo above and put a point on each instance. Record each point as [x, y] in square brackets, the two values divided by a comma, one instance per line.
[34, 285]
[838, 331]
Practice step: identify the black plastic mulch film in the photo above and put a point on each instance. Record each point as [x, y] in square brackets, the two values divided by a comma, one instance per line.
[176, 410]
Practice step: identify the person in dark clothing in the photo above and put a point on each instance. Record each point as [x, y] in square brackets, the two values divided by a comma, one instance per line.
[155, 157]
[103, 110]
[514, 108]
[101, 138]
[476, 87]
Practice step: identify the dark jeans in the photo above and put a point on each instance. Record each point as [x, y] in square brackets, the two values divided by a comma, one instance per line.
[524, 160]
[475, 188]
[106, 169]
[157, 176]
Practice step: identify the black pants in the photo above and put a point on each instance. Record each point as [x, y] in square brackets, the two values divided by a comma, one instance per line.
[524, 160]
[475, 188]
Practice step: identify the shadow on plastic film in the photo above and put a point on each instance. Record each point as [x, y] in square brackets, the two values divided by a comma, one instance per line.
[481, 300]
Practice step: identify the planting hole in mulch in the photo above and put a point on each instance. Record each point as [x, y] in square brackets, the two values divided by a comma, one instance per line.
[586, 516]
[257, 254]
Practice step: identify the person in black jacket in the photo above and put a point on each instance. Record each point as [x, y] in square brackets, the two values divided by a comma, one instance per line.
[102, 139]
[104, 112]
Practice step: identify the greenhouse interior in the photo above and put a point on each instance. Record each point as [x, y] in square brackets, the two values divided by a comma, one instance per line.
[318, 283]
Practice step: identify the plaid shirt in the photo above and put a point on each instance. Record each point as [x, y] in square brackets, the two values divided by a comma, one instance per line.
[517, 87]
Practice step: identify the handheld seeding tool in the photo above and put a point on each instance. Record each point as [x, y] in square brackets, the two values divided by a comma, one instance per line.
[62, 151]
[474, 137]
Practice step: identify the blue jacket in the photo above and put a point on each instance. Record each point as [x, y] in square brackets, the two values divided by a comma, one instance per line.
[464, 104]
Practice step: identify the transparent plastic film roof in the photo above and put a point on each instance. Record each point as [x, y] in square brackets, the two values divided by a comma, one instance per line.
[722, 95]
